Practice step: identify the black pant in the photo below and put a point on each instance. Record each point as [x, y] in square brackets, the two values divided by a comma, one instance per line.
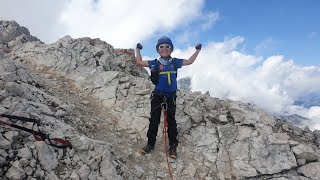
[156, 102]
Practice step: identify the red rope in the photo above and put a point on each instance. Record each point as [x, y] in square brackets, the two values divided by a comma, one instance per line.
[5, 123]
[164, 134]
[38, 135]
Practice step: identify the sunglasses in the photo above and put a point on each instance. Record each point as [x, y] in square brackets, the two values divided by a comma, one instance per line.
[164, 47]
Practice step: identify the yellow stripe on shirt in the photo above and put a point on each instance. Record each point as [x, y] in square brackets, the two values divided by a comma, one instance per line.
[168, 73]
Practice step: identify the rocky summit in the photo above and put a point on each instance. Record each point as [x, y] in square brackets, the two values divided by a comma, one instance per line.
[95, 96]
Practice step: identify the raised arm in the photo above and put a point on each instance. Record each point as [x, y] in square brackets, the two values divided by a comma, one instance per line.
[139, 60]
[193, 57]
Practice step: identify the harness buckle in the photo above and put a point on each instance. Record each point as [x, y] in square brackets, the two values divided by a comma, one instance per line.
[164, 103]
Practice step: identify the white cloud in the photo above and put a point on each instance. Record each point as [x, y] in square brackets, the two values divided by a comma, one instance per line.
[123, 23]
[209, 20]
[185, 36]
[314, 114]
[191, 32]
[295, 81]
[273, 83]
[39, 16]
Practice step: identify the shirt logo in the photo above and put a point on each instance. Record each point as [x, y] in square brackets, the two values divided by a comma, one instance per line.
[161, 67]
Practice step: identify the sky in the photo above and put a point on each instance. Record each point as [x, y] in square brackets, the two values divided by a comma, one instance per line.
[263, 52]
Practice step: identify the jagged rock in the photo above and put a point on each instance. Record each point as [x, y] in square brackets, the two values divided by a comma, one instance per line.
[25, 153]
[191, 170]
[195, 114]
[244, 133]
[106, 168]
[16, 172]
[311, 170]
[52, 176]
[46, 157]
[223, 118]
[227, 133]
[74, 176]
[2, 55]
[306, 152]
[12, 136]
[272, 158]
[84, 172]
[301, 162]
[317, 133]
[2, 161]
[4, 143]
[9, 30]
[80, 142]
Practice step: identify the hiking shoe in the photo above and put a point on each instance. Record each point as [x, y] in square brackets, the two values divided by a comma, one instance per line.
[146, 149]
[173, 152]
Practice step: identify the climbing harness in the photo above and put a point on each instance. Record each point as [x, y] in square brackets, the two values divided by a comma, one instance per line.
[155, 72]
[38, 135]
[164, 106]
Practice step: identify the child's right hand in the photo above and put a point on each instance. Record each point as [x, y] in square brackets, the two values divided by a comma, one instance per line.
[198, 47]
[139, 46]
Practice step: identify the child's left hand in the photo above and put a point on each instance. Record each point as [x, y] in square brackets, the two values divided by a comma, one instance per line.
[198, 47]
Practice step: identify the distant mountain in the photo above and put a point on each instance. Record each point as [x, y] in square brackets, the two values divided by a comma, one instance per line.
[296, 119]
[185, 84]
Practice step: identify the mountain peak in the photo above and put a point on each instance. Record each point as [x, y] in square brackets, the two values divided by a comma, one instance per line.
[11, 30]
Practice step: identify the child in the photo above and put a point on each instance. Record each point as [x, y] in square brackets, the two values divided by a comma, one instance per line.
[164, 92]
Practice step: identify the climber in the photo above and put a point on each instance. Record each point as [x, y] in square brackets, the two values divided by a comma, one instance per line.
[165, 91]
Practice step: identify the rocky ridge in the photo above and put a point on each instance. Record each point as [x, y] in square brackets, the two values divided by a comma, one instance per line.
[95, 96]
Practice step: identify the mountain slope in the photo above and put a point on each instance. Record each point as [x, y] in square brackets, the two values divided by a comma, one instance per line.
[87, 91]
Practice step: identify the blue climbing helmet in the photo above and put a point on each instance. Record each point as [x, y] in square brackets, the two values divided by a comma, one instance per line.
[164, 40]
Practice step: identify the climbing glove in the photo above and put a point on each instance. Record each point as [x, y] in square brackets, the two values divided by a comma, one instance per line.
[198, 47]
[139, 46]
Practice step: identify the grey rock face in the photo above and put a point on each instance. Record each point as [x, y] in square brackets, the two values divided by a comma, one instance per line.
[11, 34]
[311, 170]
[16, 172]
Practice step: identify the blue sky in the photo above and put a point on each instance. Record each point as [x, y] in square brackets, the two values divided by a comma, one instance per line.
[270, 27]
[285, 27]
[264, 52]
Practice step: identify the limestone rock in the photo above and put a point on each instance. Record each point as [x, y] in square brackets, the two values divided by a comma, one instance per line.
[311, 170]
